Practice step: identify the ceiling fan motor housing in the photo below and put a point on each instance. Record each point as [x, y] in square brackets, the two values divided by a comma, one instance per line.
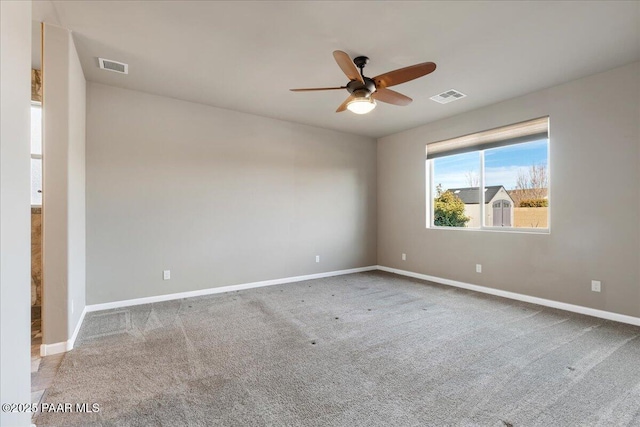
[360, 61]
[358, 89]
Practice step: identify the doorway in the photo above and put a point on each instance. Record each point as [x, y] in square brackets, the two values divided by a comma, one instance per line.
[36, 224]
[36, 195]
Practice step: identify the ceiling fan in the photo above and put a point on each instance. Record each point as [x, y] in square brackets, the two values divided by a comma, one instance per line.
[365, 91]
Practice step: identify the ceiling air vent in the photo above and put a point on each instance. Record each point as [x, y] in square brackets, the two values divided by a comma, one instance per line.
[448, 96]
[115, 66]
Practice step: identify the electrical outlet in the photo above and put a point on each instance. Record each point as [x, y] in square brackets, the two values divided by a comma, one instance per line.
[72, 309]
[478, 268]
[166, 275]
[317, 258]
[596, 285]
[404, 257]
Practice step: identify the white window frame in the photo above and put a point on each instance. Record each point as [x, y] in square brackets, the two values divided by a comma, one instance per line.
[430, 197]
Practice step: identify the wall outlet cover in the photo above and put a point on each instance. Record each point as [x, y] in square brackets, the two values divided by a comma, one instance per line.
[478, 268]
[166, 275]
[596, 285]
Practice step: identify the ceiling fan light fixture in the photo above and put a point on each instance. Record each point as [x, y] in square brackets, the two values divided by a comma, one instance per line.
[362, 105]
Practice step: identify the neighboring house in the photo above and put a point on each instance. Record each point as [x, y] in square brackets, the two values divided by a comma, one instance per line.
[498, 208]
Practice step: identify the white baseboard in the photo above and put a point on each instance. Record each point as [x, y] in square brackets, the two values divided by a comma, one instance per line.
[55, 348]
[222, 289]
[623, 318]
[72, 340]
[64, 346]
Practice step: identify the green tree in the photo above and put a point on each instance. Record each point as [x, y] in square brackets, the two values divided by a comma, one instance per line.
[448, 209]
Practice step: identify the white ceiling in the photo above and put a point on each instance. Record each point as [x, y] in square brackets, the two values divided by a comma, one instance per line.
[245, 56]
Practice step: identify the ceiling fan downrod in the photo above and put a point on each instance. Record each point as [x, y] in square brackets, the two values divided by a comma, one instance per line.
[357, 88]
[361, 62]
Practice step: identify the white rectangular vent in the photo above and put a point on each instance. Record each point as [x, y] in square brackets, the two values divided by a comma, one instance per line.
[448, 96]
[115, 66]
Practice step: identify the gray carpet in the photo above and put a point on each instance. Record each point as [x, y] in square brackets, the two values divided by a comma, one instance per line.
[369, 349]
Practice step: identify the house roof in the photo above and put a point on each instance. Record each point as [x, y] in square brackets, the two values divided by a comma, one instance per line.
[471, 195]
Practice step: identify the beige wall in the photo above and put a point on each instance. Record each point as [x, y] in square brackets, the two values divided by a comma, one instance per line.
[473, 212]
[15, 206]
[63, 209]
[594, 153]
[218, 197]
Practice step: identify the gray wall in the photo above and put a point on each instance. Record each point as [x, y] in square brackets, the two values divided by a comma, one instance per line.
[15, 208]
[55, 137]
[594, 207]
[218, 197]
[63, 205]
[76, 202]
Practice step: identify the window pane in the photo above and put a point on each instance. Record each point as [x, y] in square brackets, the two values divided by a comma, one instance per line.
[36, 129]
[517, 176]
[36, 182]
[455, 190]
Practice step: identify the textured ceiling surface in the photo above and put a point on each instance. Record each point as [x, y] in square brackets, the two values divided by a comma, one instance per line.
[245, 56]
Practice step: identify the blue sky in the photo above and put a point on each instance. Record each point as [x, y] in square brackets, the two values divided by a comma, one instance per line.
[501, 165]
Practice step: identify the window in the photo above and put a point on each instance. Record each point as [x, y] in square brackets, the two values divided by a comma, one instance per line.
[36, 154]
[510, 165]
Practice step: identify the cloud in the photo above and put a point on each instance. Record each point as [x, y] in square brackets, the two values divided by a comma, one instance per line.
[506, 176]
[451, 180]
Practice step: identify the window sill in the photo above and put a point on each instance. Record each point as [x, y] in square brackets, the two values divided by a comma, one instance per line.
[495, 229]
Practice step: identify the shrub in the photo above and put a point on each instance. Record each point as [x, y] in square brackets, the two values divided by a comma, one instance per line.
[448, 210]
[534, 203]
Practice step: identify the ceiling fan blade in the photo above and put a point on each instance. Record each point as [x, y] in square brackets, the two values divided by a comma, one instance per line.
[343, 106]
[391, 97]
[347, 65]
[317, 88]
[405, 74]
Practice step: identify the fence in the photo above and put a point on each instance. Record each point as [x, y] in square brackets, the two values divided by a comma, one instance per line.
[531, 217]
